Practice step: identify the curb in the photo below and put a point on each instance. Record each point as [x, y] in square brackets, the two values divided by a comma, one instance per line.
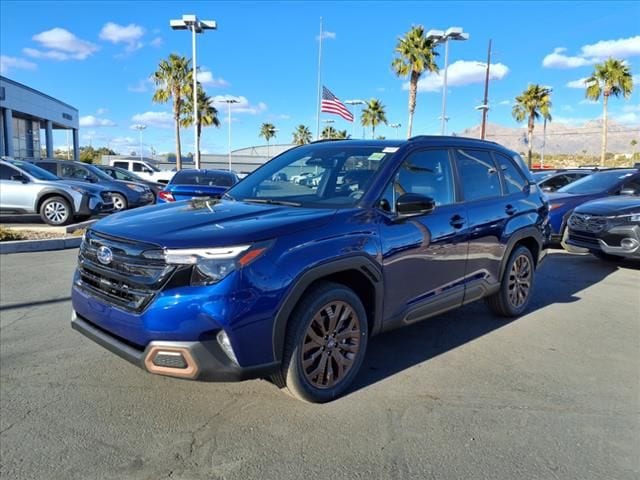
[20, 246]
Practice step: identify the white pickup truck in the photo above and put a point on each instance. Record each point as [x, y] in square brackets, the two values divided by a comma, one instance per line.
[143, 169]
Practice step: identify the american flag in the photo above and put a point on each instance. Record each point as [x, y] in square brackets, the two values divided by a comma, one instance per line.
[331, 104]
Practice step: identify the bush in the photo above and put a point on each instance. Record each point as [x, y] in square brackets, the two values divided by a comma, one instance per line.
[7, 235]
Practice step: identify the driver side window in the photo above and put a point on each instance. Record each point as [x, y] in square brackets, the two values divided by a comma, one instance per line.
[427, 173]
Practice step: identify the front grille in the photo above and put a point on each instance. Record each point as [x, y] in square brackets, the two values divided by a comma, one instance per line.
[587, 223]
[127, 280]
[106, 196]
[584, 239]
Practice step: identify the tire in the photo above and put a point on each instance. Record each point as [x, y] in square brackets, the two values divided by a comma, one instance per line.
[56, 211]
[119, 202]
[606, 256]
[517, 285]
[342, 350]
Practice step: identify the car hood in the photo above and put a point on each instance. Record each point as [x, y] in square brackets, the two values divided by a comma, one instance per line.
[612, 206]
[89, 187]
[210, 223]
[555, 197]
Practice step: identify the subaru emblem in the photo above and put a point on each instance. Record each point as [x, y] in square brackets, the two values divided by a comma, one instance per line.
[105, 255]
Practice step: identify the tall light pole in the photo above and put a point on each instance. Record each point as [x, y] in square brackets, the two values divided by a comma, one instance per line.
[228, 101]
[396, 126]
[439, 36]
[140, 127]
[355, 102]
[191, 22]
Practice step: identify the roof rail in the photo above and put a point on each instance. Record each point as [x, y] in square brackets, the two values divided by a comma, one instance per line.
[452, 137]
[329, 140]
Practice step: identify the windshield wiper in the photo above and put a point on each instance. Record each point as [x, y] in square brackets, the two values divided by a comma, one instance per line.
[271, 201]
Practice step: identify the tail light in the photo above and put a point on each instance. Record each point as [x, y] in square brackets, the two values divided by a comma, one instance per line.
[166, 196]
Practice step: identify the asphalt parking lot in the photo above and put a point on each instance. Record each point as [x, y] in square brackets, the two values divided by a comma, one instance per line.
[552, 395]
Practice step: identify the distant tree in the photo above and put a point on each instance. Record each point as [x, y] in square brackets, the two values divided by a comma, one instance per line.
[172, 79]
[533, 103]
[87, 154]
[415, 55]
[328, 132]
[373, 114]
[302, 135]
[342, 134]
[207, 113]
[381, 137]
[267, 131]
[612, 77]
[634, 142]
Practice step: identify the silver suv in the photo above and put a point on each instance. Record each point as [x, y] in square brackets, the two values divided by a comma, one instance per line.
[27, 188]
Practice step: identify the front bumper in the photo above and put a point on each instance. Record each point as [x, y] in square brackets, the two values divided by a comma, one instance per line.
[203, 360]
[93, 205]
[141, 200]
[610, 242]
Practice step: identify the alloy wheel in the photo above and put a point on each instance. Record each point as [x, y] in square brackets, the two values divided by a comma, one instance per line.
[56, 212]
[331, 344]
[118, 202]
[519, 281]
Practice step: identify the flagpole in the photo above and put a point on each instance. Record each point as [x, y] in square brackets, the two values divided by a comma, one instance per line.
[319, 85]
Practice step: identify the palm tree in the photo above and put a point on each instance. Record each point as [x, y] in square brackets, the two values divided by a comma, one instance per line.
[328, 132]
[373, 115]
[416, 55]
[342, 134]
[268, 131]
[302, 135]
[172, 79]
[533, 103]
[612, 77]
[207, 113]
[634, 142]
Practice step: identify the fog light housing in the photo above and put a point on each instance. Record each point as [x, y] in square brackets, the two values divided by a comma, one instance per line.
[225, 344]
[629, 243]
[169, 360]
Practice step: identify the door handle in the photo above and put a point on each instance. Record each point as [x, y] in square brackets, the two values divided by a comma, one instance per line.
[457, 221]
[510, 210]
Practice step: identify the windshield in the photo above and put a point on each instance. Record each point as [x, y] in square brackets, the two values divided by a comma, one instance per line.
[35, 171]
[596, 183]
[99, 173]
[325, 175]
[539, 176]
[203, 177]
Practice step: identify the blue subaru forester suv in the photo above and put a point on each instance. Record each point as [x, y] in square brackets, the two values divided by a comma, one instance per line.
[287, 281]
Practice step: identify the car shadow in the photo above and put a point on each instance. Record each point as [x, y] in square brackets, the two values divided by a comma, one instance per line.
[559, 279]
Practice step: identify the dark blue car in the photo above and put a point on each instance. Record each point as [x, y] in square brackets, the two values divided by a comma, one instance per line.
[598, 185]
[288, 281]
[190, 183]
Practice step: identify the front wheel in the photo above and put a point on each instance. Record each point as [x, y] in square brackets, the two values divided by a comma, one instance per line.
[325, 344]
[56, 211]
[119, 202]
[517, 285]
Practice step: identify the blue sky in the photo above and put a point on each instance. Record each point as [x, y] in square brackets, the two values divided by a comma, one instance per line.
[98, 56]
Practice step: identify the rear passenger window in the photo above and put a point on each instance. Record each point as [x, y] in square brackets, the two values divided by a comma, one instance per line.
[478, 174]
[514, 180]
[7, 172]
[49, 167]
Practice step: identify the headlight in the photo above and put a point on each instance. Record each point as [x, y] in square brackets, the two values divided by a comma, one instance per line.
[210, 265]
[553, 206]
[136, 188]
[631, 217]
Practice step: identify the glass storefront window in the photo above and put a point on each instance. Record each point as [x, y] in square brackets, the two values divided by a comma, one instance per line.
[26, 138]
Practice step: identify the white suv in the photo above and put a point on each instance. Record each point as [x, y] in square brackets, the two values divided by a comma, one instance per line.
[143, 169]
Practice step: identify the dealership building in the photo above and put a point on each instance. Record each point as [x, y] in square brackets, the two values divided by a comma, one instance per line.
[28, 118]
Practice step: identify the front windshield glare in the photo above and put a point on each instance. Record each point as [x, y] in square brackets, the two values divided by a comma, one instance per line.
[596, 183]
[319, 175]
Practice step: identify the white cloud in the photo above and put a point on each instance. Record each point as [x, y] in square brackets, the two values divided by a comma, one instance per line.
[91, 121]
[101, 111]
[631, 108]
[61, 44]
[558, 59]
[596, 52]
[206, 78]
[580, 83]
[627, 118]
[566, 108]
[588, 101]
[9, 63]
[129, 35]
[154, 119]
[242, 105]
[326, 35]
[621, 48]
[505, 103]
[141, 86]
[156, 42]
[459, 73]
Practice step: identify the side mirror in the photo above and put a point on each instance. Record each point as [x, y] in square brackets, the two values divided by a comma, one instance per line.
[547, 189]
[19, 178]
[628, 191]
[147, 170]
[413, 204]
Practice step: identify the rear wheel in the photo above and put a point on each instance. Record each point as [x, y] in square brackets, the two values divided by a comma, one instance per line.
[325, 344]
[119, 202]
[517, 285]
[56, 211]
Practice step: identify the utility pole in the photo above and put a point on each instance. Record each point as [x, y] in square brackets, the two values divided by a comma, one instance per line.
[485, 102]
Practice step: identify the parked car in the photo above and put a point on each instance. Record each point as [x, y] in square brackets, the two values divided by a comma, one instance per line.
[277, 280]
[597, 185]
[189, 183]
[125, 194]
[552, 180]
[121, 174]
[144, 169]
[298, 178]
[28, 189]
[609, 228]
